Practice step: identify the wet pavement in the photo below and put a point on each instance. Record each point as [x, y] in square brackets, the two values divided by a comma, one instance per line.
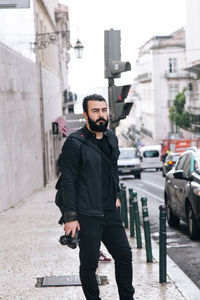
[29, 249]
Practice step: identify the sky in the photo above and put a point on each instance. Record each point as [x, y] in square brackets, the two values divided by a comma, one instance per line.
[138, 20]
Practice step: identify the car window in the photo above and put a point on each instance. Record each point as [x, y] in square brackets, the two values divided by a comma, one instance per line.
[168, 158]
[151, 153]
[180, 163]
[175, 157]
[187, 165]
[197, 166]
[127, 153]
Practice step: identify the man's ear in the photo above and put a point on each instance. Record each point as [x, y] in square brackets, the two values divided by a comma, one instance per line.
[85, 115]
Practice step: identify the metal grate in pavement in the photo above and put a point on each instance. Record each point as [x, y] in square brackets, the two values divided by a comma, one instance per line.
[67, 280]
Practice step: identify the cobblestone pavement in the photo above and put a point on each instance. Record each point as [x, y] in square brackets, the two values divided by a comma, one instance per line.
[29, 235]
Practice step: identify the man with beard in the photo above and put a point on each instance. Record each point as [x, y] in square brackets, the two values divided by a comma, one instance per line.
[90, 192]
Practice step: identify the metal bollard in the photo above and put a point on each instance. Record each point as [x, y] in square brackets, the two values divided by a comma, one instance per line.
[122, 200]
[131, 213]
[137, 221]
[162, 245]
[124, 211]
[147, 234]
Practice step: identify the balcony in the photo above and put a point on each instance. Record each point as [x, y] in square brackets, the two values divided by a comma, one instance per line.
[179, 75]
[145, 77]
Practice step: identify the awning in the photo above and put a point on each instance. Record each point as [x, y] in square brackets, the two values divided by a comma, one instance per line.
[195, 67]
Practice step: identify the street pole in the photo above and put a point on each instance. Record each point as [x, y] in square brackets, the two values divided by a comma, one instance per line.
[111, 103]
[42, 121]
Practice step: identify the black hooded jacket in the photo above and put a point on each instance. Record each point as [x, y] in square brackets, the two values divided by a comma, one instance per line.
[81, 173]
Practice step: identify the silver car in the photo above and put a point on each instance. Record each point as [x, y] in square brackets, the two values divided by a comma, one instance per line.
[129, 162]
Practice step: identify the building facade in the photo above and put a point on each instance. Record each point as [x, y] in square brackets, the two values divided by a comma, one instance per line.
[193, 63]
[160, 76]
[33, 78]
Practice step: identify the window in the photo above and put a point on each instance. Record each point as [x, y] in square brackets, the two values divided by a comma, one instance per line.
[173, 91]
[151, 153]
[197, 166]
[180, 163]
[70, 109]
[187, 165]
[127, 154]
[172, 65]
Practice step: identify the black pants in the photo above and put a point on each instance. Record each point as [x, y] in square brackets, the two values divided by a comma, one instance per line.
[110, 230]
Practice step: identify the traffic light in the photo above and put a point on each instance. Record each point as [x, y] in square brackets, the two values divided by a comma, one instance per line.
[113, 67]
[117, 67]
[120, 109]
[112, 55]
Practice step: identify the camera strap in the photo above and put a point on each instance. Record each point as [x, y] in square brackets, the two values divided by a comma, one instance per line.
[98, 150]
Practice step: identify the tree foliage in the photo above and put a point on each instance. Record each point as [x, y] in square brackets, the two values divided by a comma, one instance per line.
[177, 113]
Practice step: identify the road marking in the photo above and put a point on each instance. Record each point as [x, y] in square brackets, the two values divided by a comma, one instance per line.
[152, 195]
[150, 183]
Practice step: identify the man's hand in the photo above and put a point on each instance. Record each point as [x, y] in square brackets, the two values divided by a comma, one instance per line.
[117, 203]
[70, 227]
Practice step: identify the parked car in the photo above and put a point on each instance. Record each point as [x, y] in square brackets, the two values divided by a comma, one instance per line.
[169, 162]
[151, 157]
[182, 193]
[129, 162]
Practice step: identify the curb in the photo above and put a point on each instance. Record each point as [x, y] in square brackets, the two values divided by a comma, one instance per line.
[183, 283]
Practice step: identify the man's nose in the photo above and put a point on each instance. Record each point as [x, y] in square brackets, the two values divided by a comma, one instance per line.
[101, 113]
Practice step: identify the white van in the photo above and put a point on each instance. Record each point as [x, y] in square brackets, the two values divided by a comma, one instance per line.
[151, 157]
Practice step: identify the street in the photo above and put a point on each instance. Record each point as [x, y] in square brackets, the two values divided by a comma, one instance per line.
[183, 251]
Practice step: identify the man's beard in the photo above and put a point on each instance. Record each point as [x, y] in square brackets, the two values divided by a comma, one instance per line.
[98, 128]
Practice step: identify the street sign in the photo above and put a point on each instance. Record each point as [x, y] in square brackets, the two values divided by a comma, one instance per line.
[4, 4]
[55, 128]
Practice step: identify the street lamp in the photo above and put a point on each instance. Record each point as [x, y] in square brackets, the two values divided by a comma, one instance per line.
[78, 48]
[44, 39]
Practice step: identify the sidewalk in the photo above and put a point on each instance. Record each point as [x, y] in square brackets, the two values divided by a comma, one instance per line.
[29, 235]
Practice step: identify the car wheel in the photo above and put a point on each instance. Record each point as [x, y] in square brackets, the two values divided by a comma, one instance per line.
[138, 176]
[171, 218]
[192, 224]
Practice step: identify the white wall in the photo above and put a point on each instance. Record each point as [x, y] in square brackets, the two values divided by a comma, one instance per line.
[192, 30]
[17, 29]
[20, 134]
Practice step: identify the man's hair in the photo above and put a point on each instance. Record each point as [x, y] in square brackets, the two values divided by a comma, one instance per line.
[94, 97]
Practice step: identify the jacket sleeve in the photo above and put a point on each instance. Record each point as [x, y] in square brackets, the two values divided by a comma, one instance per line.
[117, 182]
[116, 169]
[70, 162]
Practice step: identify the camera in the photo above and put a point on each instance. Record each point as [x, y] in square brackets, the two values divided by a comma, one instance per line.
[69, 241]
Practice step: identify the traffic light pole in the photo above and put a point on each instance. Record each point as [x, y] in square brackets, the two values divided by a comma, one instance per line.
[111, 104]
[113, 67]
